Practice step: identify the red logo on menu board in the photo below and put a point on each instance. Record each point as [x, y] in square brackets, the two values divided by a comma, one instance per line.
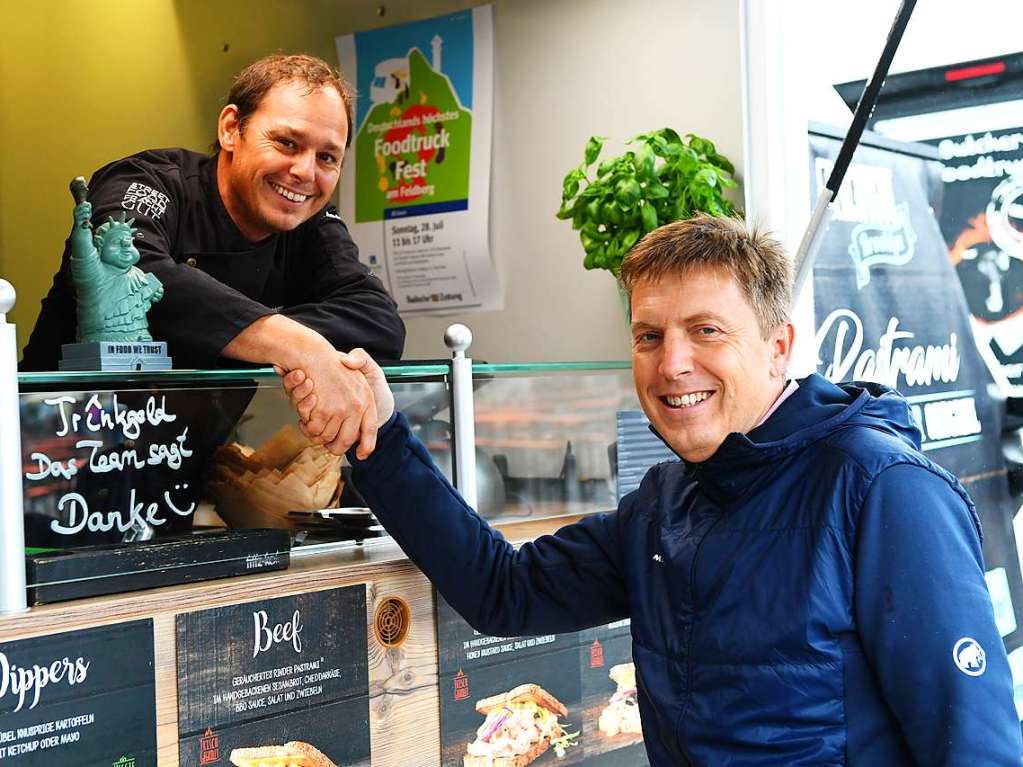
[209, 747]
[461, 686]
[596, 655]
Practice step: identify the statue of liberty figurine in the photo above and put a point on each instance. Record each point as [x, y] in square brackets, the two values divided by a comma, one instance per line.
[113, 294]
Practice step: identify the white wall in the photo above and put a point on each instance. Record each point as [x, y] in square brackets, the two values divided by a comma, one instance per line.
[940, 32]
[566, 70]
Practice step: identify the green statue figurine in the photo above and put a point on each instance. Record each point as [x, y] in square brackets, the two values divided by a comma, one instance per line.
[113, 294]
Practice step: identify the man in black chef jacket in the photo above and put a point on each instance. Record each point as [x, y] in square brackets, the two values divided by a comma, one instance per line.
[255, 266]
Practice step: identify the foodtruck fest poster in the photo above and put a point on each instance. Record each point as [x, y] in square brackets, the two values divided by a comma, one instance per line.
[416, 188]
[572, 667]
[888, 309]
[86, 698]
[270, 672]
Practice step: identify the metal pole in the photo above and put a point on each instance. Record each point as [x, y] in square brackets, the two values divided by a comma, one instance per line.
[458, 338]
[12, 513]
[810, 244]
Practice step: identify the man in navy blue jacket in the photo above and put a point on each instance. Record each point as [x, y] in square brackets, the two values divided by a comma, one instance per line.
[805, 587]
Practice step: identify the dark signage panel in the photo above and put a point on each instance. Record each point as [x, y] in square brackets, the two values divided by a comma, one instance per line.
[971, 112]
[573, 668]
[276, 672]
[86, 698]
[889, 309]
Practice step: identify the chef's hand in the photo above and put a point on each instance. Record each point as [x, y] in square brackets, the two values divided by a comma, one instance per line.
[301, 389]
[342, 410]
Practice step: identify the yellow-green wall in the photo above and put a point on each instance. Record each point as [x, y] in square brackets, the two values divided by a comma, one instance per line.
[83, 82]
[86, 82]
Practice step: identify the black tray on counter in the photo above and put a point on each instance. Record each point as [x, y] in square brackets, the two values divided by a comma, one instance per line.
[59, 574]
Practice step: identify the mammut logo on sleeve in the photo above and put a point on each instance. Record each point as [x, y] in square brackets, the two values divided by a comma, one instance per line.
[145, 200]
[969, 656]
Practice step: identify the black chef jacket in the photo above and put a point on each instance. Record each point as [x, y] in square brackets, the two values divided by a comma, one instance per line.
[216, 283]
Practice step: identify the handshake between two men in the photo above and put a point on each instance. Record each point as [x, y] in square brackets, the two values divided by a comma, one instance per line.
[342, 404]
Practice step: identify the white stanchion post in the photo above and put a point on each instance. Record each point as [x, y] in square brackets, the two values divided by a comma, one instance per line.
[458, 338]
[12, 513]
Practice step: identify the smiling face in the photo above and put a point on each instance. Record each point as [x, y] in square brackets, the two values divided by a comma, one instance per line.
[281, 167]
[119, 248]
[701, 366]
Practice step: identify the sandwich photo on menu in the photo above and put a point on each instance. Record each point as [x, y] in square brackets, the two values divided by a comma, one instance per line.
[295, 753]
[520, 725]
[621, 715]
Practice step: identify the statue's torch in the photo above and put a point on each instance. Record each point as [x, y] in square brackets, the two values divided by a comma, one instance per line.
[80, 191]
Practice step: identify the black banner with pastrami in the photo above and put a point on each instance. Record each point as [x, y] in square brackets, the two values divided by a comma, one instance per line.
[888, 308]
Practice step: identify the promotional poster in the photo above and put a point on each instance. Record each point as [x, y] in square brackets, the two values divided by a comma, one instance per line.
[288, 672]
[86, 698]
[545, 700]
[612, 735]
[416, 185]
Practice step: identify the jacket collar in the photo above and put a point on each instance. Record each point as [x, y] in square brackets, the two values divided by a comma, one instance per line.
[817, 409]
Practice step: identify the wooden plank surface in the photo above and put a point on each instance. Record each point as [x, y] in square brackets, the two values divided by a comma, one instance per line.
[404, 709]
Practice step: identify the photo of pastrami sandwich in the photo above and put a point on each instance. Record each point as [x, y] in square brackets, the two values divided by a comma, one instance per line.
[621, 715]
[520, 725]
[294, 753]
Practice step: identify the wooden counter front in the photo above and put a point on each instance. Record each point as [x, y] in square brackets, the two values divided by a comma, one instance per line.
[403, 693]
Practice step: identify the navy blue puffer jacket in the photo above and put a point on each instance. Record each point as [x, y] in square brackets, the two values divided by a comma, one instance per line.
[813, 594]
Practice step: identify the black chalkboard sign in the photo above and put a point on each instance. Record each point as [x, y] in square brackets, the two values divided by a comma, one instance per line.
[271, 672]
[101, 467]
[85, 698]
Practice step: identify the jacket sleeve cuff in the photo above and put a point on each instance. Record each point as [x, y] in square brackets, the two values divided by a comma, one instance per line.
[389, 436]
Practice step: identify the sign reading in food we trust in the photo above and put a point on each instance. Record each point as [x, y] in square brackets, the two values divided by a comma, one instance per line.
[83, 697]
[274, 679]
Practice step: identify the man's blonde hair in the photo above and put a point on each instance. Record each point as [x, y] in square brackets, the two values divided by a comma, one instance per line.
[755, 260]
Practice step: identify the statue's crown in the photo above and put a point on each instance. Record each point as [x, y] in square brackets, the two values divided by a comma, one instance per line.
[112, 225]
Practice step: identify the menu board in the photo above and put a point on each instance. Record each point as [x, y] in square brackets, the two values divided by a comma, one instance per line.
[280, 671]
[82, 697]
[571, 668]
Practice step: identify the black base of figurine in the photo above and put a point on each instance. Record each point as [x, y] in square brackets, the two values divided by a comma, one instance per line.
[120, 356]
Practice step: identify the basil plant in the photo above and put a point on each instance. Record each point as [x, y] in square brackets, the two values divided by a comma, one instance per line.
[660, 179]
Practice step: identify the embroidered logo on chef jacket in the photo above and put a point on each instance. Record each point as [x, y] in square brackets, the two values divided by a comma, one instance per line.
[331, 214]
[969, 656]
[145, 200]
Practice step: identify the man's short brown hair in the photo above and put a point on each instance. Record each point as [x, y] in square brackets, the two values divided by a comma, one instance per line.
[254, 82]
[756, 261]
